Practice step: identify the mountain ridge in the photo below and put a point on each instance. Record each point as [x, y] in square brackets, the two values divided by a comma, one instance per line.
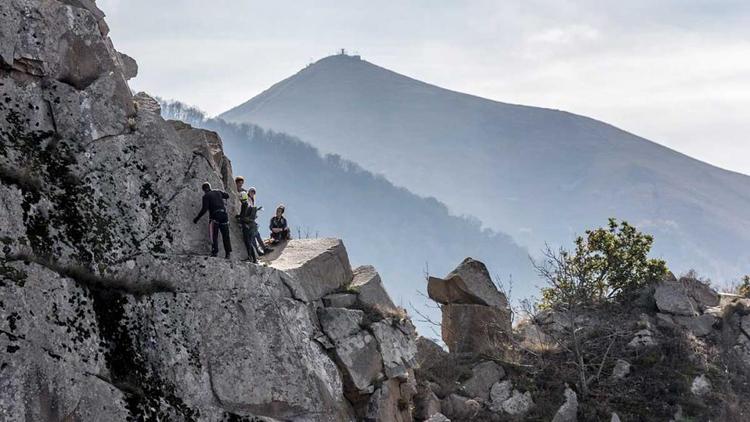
[537, 174]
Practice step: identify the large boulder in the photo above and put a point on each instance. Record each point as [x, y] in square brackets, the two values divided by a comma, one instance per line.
[687, 297]
[317, 266]
[339, 323]
[370, 289]
[361, 363]
[474, 328]
[672, 298]
[484, 376]
[469, 283]
[398, 350]
[387, 403]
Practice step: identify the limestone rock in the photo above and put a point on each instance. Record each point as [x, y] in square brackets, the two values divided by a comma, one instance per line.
[385, 404]
[643, 338]
[484, 376]
[700, 292]
[518, 404]
[500, 392]
[673, 298]
[621, 369]
[130, 66]
[699, 326]
[340, 300]
[426, 403]
[339, 323]
[700, 386]
[317, 266]
[398, 350]
[469, 283]
[429, 353]
[360, 361]
[459, 407]
[474, 328]
[438, 417]
[568, 412]
[370, 289]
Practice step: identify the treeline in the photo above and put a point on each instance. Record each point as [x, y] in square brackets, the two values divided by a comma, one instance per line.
[400, 233]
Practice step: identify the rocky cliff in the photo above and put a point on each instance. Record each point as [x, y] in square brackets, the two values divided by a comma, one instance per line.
[679, 351]
[110, 308]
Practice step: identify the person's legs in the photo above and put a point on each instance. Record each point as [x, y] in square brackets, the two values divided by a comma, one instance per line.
[225, 238]
[214, 231]
[248, 240]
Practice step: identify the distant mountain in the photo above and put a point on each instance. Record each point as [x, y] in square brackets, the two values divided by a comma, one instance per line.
[400, 233]
[536, 174]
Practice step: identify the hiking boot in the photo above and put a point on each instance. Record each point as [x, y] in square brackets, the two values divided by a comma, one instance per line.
[269, 250]
[213, 255]
[227, 255]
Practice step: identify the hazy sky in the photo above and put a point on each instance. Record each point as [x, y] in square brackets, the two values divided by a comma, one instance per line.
[674, 71]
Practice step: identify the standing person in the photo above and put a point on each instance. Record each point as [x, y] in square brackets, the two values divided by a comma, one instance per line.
[246, 220]
[279, 227]
[262, 248]
[218, 220]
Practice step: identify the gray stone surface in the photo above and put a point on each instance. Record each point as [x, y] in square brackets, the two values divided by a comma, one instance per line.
[499, 393]
[699, 326]
[458, 407]
[385, 403]
[568, 412]
[469, 283]
[474, 328]
[426, 403]
[701, 292]
[642, 339]
[339, 323]
[399, 351]
[621, 369]
[518, 404]
[438, 417]
[370, 289]
[340, 300]
[701, 386]
[484, 376]
[360, 361]
[317, 266]
[673, 298]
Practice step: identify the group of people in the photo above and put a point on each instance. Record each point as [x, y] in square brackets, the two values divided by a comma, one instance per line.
[218, 221]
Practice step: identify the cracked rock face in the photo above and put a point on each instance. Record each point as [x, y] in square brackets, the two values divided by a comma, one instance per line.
[109, 307]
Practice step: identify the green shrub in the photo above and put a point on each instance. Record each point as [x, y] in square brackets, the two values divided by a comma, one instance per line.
[607, 264]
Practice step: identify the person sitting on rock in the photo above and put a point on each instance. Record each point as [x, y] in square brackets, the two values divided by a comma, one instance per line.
[218, 220]
[279, 227]
[262, 248]
[246, 218]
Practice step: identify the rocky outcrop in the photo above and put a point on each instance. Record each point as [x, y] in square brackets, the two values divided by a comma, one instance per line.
[111, 308]
[475, 314]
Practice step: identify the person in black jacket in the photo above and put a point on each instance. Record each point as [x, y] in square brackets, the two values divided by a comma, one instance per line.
[279, 227]
[218, 220]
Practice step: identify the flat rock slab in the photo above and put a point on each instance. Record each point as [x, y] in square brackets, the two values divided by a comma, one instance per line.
[469, 283]
[317, 266]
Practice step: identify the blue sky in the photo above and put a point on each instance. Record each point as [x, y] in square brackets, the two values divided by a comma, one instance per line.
[676, 72]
